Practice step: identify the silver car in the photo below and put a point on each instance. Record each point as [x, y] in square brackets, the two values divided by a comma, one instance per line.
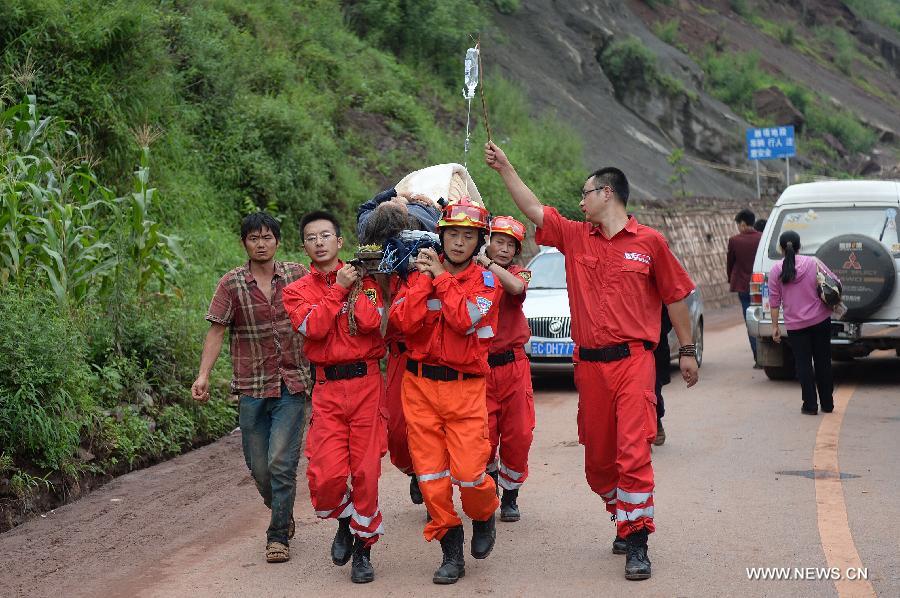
[547, 309]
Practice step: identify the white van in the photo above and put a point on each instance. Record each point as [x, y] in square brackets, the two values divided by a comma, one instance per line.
[852, 227]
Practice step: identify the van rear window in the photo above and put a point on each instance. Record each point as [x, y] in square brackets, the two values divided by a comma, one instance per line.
[816, 226]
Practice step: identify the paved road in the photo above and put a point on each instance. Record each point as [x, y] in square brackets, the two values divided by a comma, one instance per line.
[735, 489]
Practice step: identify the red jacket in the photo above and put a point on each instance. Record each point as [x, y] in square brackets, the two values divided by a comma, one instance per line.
[449, 320]
[739, 262]
[512, 326]
[318, 309]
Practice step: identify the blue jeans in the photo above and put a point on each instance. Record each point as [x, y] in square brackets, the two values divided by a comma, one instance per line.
[270, 433]
[745, 303]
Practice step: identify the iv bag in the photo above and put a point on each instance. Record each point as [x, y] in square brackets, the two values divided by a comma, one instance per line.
[471, 73]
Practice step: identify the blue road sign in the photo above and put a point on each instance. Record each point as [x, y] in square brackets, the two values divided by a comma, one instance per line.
[770, 143]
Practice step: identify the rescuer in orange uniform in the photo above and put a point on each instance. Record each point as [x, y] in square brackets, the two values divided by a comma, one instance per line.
[348, 433]
[398, 444]
[510, 398]
[448, 316]
[618, 274]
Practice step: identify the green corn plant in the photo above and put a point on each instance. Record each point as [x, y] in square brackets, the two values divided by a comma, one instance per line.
[71, 253]
[155, 255]
[45, 213]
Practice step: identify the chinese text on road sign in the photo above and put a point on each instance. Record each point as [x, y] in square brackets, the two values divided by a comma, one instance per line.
[770, 143]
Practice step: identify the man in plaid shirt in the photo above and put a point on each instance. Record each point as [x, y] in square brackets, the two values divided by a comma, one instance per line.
[269, 371]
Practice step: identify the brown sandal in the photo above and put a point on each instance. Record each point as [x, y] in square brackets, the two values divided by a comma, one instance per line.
[276, 552]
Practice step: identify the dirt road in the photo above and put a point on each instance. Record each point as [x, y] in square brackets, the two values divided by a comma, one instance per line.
[735, 489]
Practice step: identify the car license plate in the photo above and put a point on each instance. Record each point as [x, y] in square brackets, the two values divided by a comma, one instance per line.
[550, 349]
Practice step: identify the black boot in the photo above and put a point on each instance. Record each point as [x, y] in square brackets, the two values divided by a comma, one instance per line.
[619, 545]
[509, 510]
[415, 493]
[483, 535]
[342, 547]
[637, 563]
[361, 570]
[453, 566]
[496, 476]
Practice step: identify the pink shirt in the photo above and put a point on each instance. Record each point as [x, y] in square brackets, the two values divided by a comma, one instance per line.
[802, 306]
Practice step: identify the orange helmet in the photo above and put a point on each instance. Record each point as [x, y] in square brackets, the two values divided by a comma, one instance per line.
[464, 213]
[508, 226]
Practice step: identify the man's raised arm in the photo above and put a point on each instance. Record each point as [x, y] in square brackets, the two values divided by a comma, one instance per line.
[525, 199]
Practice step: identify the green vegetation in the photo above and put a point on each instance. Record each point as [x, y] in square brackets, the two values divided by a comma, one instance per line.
[667, 31]
[885, 12]
[680, 170]
[281, 105]
[631, 67]
[733, 78]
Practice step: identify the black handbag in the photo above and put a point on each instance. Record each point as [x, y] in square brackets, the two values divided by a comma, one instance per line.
[829, 287]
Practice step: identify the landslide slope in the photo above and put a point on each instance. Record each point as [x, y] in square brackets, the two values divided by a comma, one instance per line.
[642, 79]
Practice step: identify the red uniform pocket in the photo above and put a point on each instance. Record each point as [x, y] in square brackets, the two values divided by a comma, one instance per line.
[650, 421]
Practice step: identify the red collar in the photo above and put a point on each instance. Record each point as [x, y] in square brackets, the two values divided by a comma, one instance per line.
[328, 278]
[631, 226]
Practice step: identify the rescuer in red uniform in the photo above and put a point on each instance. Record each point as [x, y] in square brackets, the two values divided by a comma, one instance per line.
[348, 433]
[448, 315]
[618, 274]
[510, 397]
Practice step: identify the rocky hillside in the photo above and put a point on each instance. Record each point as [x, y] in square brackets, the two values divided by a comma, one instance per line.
[646, 80]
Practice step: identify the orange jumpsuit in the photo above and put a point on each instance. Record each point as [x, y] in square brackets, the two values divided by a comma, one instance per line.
[348, 430]
[510, 398]
[448, 324]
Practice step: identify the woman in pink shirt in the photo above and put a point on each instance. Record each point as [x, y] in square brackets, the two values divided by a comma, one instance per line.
[793, 286]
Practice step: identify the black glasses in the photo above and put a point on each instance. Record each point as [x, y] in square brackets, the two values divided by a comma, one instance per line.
[584, 193]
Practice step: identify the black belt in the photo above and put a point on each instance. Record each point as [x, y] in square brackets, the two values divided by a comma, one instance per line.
[441, 373]
[343, 371]
[501, 358]
[607, 354]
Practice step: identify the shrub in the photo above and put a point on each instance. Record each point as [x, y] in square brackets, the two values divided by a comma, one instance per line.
[629, 65]
[507, 7]
[667, 31]
[44, 400]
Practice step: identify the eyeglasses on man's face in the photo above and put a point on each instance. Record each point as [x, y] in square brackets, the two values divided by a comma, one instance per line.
[325, 237]
[585, 193]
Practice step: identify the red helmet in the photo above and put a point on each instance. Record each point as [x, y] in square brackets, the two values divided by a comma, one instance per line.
[464, 213]
[508, 226]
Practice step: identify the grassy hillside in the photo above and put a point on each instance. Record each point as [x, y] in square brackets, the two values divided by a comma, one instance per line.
[232, 107]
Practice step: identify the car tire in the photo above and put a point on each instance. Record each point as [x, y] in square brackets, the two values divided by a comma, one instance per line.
[786, 371]
[698, 342]
[866, 270]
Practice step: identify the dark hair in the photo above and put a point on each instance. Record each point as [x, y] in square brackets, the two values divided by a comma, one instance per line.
[745, 216]
[256, 222]
[760, 224]
[482, 239]
[388, 220]
[320, 215]
[789, 241]
[615, 179]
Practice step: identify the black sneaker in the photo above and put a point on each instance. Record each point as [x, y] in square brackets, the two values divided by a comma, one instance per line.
[809, 411]
[342, 546]
[362, 571]
[619, 545]
[637, 563]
